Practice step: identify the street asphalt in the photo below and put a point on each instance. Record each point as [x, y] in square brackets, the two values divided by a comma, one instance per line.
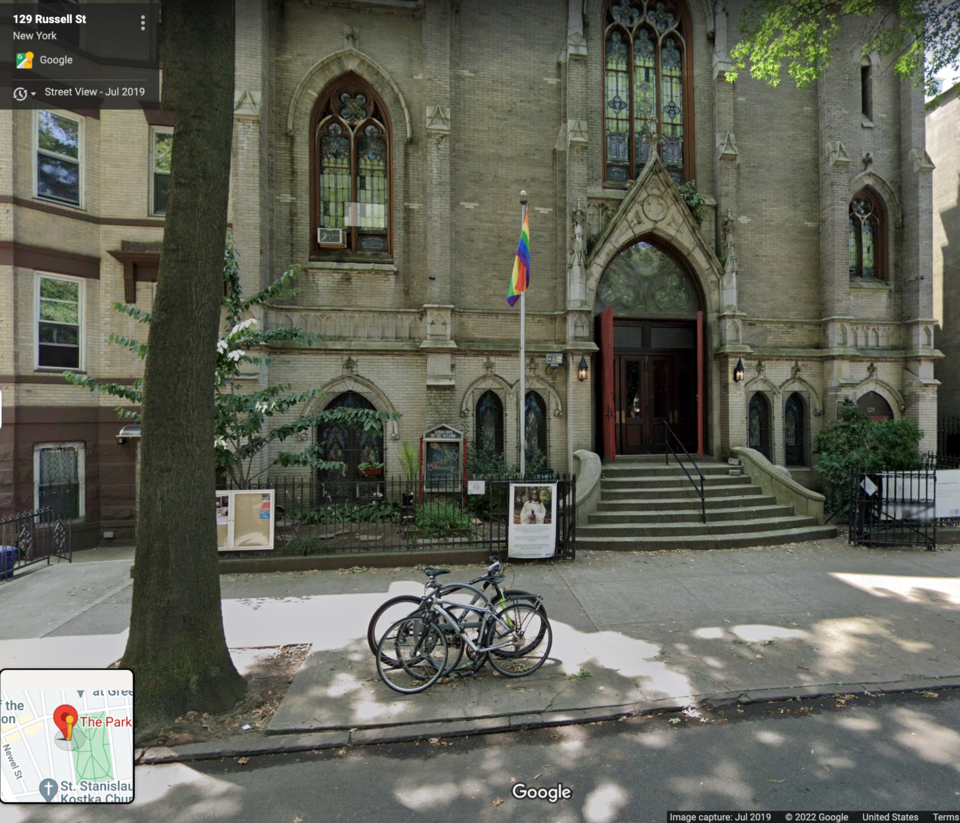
[634, 633]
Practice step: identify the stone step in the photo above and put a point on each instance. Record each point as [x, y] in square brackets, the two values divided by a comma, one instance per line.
[663, 483]
[724, 541]
[766, 524]
[680, 492]
[655, 458]
[692, 503]
[660, 470]
[690, 515]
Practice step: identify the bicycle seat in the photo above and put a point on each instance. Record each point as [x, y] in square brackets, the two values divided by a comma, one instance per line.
[435, 572]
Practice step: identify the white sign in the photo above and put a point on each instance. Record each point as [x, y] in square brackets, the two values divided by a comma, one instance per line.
[869, 486]
[532, 529]
[948, 493]
[476, 486]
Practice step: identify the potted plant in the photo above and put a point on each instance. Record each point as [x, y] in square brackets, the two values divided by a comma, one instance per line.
[372, 468]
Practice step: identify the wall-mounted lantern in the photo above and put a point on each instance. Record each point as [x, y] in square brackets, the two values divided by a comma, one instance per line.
[583, 369]
[738, 371]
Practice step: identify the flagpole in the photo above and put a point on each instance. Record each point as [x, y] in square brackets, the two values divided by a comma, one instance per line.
[523, 351]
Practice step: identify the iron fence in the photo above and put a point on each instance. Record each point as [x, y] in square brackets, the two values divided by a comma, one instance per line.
[894, 508]
[31, 537]
[948, 434]
[376, 514]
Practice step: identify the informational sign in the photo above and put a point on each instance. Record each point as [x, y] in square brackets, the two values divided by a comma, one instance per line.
[245, 520]
[532, 530]
[948, 493]
[476, 486]
[443, 460]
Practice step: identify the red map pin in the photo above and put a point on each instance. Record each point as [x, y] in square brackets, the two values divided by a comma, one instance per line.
[60, 717]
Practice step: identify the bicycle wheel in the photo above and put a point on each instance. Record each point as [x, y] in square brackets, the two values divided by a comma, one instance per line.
[396, 608]
[533, 639]
[418, 651]
[519, 626]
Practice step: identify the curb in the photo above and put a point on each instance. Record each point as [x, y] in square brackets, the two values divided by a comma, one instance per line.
[316, 741]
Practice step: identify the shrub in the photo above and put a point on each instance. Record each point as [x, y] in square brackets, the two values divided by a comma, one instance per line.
[854, 442]
[436, 518]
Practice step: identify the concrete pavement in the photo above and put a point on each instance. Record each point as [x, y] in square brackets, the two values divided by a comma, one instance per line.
[633, 633]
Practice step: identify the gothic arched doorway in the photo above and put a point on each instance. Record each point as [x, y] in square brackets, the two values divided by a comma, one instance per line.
[351, 446]
[650, 333]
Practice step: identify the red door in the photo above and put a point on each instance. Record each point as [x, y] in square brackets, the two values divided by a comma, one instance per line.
[606, 407]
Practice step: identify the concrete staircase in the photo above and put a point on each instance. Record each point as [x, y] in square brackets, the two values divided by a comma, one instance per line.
[647, 505]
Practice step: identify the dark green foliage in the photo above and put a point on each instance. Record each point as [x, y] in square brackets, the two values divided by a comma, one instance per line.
[695, 200]
[854, 442]
[439, 517]
[375, 512]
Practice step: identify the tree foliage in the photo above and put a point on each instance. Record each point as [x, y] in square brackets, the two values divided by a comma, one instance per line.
[242, 409]
[854, 442]
[923, 37]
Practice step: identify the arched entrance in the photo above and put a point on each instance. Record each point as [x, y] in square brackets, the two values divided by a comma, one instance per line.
[649, 319]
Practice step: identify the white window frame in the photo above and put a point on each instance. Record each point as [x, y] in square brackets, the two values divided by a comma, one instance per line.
[154, 131]
[81, 473]
[41, 275]
[81, 151]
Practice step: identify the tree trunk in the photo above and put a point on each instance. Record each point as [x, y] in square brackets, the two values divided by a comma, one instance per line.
[176, 647]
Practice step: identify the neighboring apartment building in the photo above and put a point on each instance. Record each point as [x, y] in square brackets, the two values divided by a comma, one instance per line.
[943, 144]
[383, 144]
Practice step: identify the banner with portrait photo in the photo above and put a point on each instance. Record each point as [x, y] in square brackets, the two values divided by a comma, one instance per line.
[532, 530]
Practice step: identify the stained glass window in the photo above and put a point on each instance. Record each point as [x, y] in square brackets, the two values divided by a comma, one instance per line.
[644, 105]
[758, 423]
[793, 429]
[348, 445]
[353, 167]
[864, 244]
[535, 423]
[489, 431]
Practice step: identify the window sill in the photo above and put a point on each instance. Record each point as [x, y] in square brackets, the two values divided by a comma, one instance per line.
[868, 285]
[350, 265]
[866, 122]
[52, 202]
[58, 370]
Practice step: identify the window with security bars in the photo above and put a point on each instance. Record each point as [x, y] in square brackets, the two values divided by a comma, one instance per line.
[58, 470]
[161, 150]
[59, 140]
[59, 319]
[646, 104]
[351, 162]
[489, 424]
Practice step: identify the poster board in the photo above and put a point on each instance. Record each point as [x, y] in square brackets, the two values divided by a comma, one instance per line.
[246, 520]
[532, 521]
[948, 493]
[443, 459]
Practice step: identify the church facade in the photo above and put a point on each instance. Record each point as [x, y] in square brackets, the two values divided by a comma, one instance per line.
[383, 145]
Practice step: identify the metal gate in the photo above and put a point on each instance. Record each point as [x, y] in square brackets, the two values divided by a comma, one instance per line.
[895, 508]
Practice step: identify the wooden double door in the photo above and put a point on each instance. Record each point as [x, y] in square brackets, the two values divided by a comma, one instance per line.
[650, 387]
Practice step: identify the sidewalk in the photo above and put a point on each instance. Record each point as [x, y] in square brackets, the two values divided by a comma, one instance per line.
[633, 633]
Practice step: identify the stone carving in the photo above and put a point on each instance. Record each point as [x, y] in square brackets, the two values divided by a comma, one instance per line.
[761, 369]
[351, 38]
[872, 370]
[655, 208]
[838, 154]
[349, 365]
[438, 119]
[489, 367]
[727, 147]
[795, 371]
[577, 132]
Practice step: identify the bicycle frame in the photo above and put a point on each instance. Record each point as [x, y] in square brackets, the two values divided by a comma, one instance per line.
[438, 607]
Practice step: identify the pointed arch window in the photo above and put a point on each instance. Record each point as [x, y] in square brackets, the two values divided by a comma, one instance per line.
[867, 236]
[489, 424]
[647, 100]
[351, 170]
[794, 429]
[535, 425]
[758, 424]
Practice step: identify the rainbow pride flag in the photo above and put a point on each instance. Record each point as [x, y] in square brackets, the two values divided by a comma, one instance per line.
[520, 278]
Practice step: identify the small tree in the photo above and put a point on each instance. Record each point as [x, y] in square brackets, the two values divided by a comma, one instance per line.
[241, 408]
[855, 442]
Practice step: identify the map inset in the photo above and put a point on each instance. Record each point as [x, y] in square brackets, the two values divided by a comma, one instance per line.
[71, 743]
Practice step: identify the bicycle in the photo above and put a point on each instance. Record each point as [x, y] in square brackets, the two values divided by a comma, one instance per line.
[405, 604]
[506, 638]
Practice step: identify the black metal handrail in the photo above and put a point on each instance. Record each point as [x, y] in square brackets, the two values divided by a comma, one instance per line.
[666, 455]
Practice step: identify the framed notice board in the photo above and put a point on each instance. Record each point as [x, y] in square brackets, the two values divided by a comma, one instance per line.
[245, 520]
[443, 460]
